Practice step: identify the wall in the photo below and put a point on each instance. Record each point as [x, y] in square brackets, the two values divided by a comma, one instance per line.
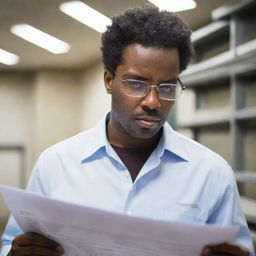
[17, 111]
[16, 129]
[95, 101]
[57, 107]
[38, 109]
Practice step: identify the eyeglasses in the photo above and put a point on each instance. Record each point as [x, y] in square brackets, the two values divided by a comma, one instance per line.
[138, 88]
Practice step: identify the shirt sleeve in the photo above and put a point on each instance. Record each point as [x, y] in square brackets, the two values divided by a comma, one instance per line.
[228, 210]
[12, 229]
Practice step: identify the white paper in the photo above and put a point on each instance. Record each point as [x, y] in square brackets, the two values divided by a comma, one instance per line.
[84, 231]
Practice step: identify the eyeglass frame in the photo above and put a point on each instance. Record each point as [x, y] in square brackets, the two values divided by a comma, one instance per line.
[183, 87]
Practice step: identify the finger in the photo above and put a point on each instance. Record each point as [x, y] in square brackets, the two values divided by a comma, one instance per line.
[219, 254]
[231, 249]
[207, 251]
[34, 239]
[32, 250]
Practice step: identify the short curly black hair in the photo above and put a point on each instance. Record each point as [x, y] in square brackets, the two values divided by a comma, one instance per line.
[147, 26]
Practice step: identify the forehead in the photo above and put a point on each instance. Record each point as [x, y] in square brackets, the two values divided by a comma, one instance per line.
[148, 59]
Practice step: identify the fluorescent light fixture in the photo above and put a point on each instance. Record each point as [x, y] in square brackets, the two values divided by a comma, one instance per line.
[40, 38]
[174, 5]
[8, 58]
[86, 15]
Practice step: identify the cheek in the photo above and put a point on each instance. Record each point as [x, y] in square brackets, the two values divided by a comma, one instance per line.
[166, 107]
[123, 103]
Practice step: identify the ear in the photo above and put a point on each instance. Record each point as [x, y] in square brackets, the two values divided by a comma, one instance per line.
[108, 81]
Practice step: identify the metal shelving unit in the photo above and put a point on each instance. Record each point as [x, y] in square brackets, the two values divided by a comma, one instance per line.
[235, 23]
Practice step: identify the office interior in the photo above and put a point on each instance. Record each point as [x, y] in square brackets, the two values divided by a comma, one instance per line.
[47, 97]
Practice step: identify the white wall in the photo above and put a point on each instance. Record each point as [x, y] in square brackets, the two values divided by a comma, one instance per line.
[185, 110]
[95, 101]
[57, 107]
[16, 111]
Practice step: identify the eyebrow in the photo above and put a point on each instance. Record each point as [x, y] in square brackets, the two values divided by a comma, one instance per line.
[170, 81]
[141, 78]
[136, 77]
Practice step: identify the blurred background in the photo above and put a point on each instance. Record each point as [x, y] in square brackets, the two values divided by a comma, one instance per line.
[47, 95]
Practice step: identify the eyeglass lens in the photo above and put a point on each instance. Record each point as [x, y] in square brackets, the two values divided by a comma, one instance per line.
[138, 88]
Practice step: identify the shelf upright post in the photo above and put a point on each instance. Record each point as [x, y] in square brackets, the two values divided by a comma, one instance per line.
[240, 32]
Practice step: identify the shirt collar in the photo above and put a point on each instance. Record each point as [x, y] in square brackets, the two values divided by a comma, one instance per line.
[97, 140]
[171, 141]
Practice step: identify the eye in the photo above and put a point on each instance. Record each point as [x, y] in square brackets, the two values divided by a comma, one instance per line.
[167, 87]
[134, 84]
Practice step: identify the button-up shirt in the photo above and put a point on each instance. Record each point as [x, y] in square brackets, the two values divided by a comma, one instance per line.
[181, 181]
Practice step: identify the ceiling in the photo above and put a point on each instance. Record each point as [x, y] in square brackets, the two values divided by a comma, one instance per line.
[84, 41]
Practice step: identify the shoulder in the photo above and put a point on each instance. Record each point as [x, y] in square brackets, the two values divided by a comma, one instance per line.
[73, 144]
[204, 158]
[57, 161]
[70, 150]
[80, 143]
[195, 147]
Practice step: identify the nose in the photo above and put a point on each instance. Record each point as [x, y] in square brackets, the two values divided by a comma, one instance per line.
[151, 100]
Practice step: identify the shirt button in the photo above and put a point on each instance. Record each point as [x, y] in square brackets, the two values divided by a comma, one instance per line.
[129, 212]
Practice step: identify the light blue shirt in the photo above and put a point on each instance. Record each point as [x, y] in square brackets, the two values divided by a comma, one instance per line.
[181, 181]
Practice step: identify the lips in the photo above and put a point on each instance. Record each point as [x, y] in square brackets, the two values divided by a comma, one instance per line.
[148, 121]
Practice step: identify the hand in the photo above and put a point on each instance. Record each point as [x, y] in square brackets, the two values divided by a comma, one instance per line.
[34, 244]
[225, 249]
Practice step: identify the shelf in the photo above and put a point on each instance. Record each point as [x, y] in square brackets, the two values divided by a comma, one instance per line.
[241, 61]
[216, 118]
[230, 9]
[222, 81]
[209, 32]
[246, 113]
[205, 119]
[246, 177]
[249, 209]
[246, 48]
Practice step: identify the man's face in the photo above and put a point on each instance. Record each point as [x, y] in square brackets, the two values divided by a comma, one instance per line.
[141, 117]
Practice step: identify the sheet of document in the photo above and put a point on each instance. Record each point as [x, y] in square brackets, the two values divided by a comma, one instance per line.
[86, 231]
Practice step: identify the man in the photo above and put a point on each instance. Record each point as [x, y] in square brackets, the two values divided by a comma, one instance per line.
[133, 162]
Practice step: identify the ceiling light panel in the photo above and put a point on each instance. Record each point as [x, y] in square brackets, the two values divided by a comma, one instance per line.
[8, 58]
[40, 38]
[174, 5]
[86, 15]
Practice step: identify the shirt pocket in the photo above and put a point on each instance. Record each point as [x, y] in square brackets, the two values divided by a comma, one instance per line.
[179, 214]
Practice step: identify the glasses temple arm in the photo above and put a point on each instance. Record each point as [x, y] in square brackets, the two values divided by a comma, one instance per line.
[182, 85]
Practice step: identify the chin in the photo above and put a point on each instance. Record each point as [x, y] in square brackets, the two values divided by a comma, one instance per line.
[144, 134]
